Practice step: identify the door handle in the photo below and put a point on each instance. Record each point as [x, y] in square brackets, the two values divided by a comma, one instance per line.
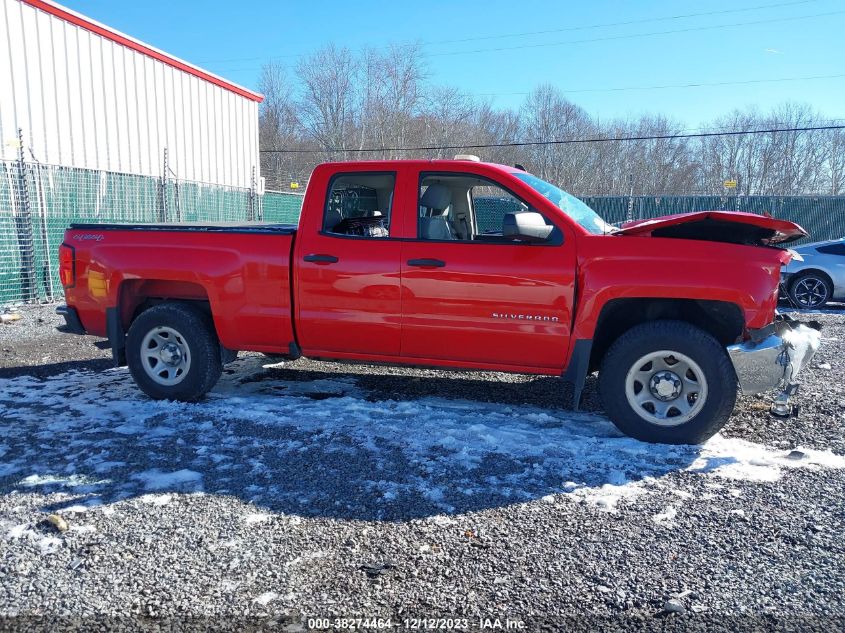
[320, 259]
[427, 263]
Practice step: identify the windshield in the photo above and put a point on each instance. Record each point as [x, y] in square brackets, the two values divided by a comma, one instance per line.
[569, 204]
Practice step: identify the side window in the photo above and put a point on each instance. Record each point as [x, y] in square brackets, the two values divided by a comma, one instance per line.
[491, 203]
[832, 249]
[360, 204]
[470, 208]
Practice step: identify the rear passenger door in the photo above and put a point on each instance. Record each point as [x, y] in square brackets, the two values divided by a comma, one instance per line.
[471, 296]
[347, 279]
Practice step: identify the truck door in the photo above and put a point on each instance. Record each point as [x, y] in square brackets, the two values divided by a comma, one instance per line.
[471, 295]
[347, 279]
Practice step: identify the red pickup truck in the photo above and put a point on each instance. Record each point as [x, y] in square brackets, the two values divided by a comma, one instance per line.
[455, 263]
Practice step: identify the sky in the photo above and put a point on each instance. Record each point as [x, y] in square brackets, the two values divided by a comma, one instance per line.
[608, 56]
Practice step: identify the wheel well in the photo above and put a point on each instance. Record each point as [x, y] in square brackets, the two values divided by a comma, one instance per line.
[725, 321]
[138, 295]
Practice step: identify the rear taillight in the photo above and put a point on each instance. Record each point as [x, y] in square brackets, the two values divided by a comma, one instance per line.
[67, 272]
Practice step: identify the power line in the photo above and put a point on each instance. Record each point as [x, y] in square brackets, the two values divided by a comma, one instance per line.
[545, 32]
[626, 23]
[657, 137]
[668, 86]
[636, 35]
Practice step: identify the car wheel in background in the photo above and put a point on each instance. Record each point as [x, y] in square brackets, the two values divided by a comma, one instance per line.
[809, 290]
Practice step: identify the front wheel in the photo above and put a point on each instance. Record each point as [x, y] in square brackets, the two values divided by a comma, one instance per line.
[668, 382]
[173, 353]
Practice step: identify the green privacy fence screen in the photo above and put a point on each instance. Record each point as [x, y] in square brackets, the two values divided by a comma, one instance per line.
[38, 202]
[281, 207]
[822, 216]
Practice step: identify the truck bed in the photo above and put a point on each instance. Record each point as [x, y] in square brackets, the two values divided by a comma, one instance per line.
[241, 270]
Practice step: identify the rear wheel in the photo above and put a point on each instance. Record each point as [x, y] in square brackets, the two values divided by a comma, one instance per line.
[173, 352]
[668, 382]
[810, 290]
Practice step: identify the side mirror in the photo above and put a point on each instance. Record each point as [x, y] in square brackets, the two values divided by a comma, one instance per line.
[529, 226]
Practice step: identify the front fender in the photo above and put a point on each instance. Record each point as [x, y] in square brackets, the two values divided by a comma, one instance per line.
[664, 268]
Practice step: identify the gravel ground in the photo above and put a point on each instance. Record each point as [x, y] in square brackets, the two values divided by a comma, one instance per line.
[320, 489]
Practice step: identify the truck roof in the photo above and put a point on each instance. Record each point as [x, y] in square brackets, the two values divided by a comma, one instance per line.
[419, 163]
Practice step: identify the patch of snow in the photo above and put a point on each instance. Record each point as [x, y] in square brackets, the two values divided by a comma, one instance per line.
[444, 455]
[184, 479]
[742, 460]
[55, 480]
[49, 545]
[608, 496]
[304, 558]
[20, 531]
[665, 517]
[256, 518]
[156, 500]
[266, 598]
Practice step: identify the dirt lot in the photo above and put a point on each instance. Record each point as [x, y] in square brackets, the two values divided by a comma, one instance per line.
[334, 490]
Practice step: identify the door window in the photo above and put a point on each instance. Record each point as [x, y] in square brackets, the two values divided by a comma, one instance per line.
[469, 208]
[359, 204]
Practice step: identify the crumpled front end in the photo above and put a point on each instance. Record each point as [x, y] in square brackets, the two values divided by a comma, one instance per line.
[773, 357]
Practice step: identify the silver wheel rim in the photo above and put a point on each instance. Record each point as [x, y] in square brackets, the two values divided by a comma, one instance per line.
[810, 292]
[165, 356]
[666, 388]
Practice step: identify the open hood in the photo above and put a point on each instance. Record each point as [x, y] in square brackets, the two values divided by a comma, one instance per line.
[718, 226]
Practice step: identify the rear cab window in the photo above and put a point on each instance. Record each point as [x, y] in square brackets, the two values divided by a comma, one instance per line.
[359, 204]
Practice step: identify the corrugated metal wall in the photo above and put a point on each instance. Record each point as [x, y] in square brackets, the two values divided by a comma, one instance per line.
[86, 101]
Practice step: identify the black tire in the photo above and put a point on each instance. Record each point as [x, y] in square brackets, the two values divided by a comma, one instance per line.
[196, 331]
[800, 290]
[708, 416]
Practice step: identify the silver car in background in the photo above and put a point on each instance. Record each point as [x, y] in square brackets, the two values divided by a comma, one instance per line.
[819, 278]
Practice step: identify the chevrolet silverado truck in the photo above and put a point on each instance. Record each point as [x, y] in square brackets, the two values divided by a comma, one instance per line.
[457, 264]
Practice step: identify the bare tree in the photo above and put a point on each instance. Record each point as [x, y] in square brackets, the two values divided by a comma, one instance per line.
[446, 118]
[328, 85]
[338, 103]
[392, 92]
[278, 126]
[549, 116]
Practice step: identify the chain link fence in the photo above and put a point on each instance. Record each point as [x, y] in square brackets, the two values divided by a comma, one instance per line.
[38, 202]
[822, 216]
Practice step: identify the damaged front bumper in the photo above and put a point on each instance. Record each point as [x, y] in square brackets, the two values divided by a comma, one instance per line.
[773, 357]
